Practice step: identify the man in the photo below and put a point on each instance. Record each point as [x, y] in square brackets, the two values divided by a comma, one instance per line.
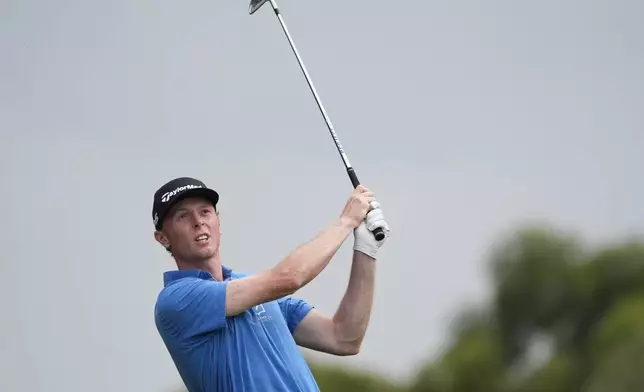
[228, 331]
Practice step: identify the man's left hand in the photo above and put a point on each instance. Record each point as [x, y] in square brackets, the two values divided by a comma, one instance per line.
[365, 242]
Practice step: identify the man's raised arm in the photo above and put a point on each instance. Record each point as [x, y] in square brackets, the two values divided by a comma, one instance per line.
[300, 266]
[343, 333]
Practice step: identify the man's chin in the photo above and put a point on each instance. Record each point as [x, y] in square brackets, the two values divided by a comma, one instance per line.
[205, 253]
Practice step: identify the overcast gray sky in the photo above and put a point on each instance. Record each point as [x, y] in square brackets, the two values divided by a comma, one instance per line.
[465, 118]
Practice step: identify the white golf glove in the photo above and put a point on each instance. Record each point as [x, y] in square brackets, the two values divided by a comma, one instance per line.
[365, 241]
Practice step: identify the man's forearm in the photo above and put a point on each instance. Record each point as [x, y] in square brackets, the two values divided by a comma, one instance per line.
[352, 317]
[309, 259]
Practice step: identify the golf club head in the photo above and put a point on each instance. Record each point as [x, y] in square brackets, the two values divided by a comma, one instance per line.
[255, 5]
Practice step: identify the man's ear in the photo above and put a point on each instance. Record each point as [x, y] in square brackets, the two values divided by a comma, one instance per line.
[162, 239]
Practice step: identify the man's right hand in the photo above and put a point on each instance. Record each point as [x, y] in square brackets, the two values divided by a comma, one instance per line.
[357, 207]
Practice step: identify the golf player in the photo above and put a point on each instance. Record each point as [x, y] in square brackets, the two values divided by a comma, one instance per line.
[228, 331]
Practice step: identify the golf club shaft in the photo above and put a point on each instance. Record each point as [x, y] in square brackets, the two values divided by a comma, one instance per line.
[378, 233]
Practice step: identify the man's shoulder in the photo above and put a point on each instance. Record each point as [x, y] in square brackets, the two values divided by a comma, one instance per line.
[169, 294]
[176, 291]
[179, 284]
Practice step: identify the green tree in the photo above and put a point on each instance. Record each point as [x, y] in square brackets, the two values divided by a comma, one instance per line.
[337, 379]
[473, 362]
[587, 303]
[621, 369]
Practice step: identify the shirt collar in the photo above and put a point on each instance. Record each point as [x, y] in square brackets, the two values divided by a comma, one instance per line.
[171, 276]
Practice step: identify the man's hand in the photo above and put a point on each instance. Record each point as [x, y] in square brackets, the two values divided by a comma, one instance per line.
[357, 206]
[365, 242]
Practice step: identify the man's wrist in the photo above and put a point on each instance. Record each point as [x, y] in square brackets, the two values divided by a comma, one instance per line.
[345, 223]
[364, 251]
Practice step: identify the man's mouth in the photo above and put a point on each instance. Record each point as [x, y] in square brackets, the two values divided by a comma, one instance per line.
[202, 238]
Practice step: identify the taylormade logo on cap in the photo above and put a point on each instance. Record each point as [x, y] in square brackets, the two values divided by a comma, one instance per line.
[168, 195]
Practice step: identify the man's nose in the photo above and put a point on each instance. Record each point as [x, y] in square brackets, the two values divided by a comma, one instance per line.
[198, 221]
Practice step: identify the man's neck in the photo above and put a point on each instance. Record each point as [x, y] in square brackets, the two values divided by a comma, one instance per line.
[212, 265]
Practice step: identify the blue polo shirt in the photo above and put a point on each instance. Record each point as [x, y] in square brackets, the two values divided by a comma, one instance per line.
[253, 351]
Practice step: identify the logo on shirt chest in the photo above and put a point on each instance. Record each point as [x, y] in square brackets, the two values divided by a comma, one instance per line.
[260, 314]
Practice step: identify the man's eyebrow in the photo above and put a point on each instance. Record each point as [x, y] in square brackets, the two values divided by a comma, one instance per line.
[186, 209]
[177, 210]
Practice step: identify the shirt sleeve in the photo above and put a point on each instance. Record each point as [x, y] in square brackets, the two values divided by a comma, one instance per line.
[193, 307]
[294, 310]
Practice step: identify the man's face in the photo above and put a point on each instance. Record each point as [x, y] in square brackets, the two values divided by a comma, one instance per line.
[191, 229]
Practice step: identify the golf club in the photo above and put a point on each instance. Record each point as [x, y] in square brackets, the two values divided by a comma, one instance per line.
[254, 6]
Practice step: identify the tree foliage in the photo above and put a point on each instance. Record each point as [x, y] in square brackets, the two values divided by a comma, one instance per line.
[587, 305]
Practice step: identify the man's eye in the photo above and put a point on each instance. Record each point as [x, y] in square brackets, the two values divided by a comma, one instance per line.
[206, 211]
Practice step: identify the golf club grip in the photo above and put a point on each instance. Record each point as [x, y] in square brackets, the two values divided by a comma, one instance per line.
[378, 233]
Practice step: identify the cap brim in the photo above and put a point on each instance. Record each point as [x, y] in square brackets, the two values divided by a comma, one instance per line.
[205, 193]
